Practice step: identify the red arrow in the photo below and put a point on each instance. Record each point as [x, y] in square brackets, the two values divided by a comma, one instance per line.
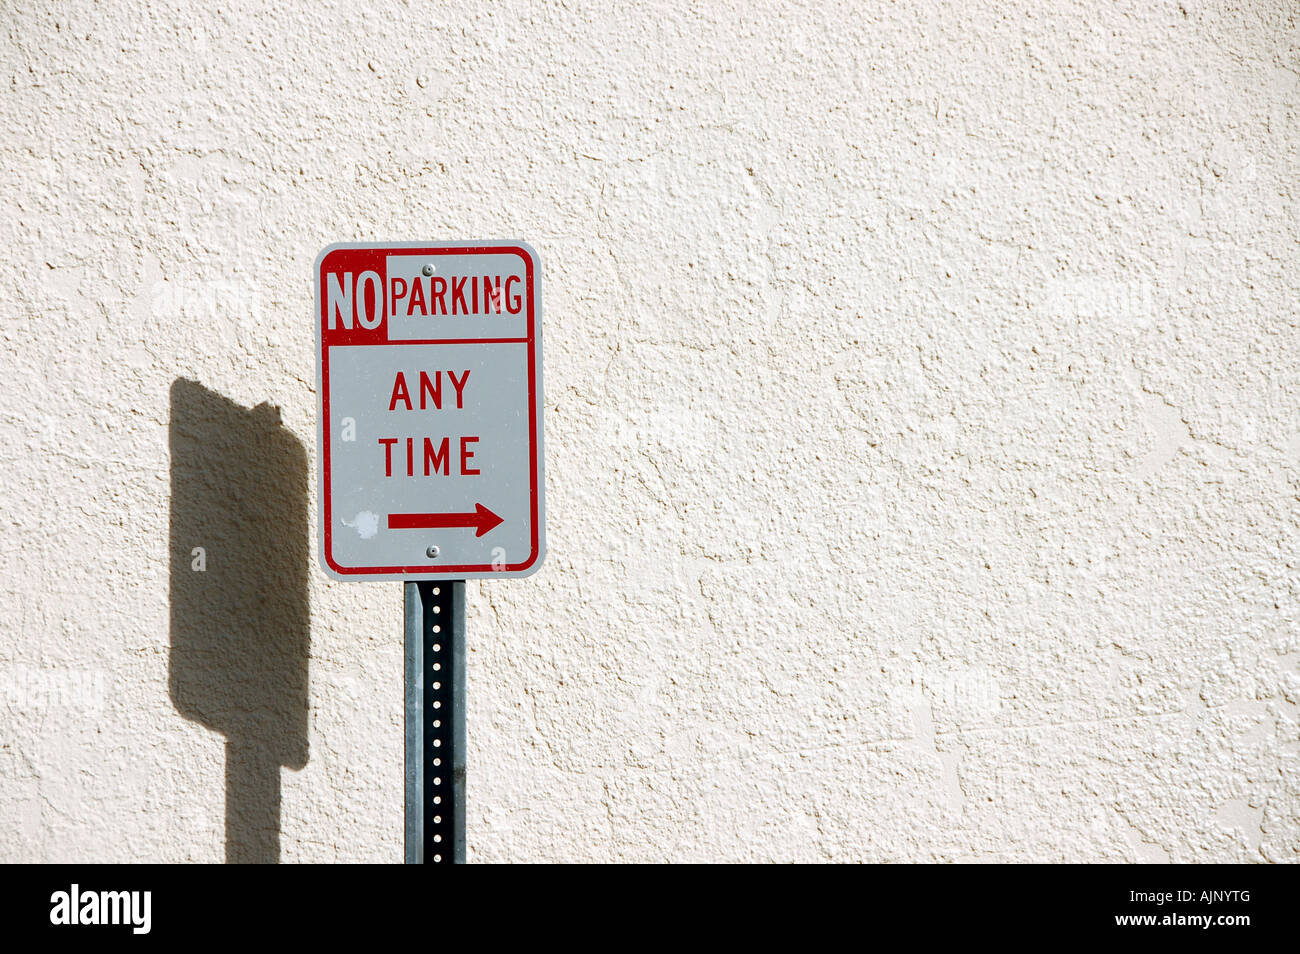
[482, 520]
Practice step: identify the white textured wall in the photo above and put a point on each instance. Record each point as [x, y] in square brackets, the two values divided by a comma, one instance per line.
[921, 408]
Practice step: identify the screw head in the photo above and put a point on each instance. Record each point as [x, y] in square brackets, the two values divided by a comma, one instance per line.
[432, 553]
[427, 270]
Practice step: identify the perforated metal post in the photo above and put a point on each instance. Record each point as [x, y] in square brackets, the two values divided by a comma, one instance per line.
[435, 722]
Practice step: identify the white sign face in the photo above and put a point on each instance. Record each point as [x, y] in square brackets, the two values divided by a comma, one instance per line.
[429, 371]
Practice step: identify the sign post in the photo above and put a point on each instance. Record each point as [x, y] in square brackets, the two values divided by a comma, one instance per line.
[429, 375]
[435, 722]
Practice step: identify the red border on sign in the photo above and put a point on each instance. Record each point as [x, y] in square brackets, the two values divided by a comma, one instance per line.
[531, 339]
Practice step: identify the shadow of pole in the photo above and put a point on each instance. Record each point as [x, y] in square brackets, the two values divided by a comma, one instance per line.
[240, 620]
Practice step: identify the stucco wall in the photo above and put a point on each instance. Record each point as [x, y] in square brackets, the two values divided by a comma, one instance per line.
[921, 408]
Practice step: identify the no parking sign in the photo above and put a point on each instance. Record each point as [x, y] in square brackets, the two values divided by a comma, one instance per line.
[430, 381]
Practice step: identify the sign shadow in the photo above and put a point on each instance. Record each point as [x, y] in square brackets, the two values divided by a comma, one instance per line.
[240, 617]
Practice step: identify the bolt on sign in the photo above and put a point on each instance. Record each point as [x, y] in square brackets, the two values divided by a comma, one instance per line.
[429, 371]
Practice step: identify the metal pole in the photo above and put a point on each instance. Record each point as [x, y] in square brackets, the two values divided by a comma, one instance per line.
[435, 721]
[413, 716]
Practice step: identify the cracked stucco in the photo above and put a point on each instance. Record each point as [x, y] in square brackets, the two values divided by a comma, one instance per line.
[921, 407]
